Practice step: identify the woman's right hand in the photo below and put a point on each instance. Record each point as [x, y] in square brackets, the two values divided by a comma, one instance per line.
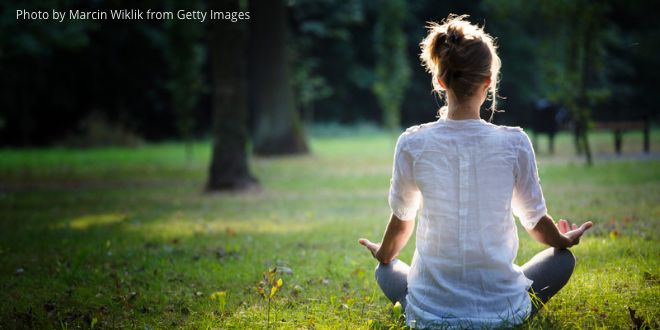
[572, 232]
[560, 235]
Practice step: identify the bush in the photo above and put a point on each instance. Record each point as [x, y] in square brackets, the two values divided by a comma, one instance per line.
[96, 130]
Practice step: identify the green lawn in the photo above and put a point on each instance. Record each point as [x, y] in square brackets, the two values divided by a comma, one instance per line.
[118, 237]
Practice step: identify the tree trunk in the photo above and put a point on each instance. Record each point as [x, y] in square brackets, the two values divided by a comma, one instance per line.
[392, 69]
[278, 128]
[579, 62]
[229, 165]
[587, 76]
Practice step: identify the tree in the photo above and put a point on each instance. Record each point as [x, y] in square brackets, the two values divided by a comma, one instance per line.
[278, 127]
[185, 57]
[392, 71]
[229, 165]
[580, 82]
[564, 50]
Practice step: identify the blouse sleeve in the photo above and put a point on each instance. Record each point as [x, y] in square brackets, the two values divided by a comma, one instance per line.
[527, 202]
[404, 196]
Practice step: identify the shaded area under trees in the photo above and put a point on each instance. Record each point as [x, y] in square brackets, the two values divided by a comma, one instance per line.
[152, 77]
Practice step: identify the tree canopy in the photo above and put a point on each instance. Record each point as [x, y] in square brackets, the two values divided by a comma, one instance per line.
[349, 61]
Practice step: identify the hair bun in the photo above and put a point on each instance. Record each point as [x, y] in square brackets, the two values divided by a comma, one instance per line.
[454, 34]
[453, 38]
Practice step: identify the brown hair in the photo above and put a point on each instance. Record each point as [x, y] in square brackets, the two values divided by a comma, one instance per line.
[463, 56]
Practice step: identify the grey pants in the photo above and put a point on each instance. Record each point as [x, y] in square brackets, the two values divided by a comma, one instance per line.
[550, 270]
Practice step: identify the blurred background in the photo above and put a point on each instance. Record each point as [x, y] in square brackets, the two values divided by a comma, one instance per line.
[86, 83]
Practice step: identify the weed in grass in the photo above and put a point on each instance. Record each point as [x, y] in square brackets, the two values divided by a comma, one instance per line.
[268, 287]
[220, 298]
[398, 317]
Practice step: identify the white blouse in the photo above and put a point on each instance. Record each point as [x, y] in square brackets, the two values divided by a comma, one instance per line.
[467, 176]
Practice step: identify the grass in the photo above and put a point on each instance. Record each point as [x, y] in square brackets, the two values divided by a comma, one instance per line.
[115, 237]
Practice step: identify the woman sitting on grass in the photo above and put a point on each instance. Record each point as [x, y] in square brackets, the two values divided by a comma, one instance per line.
[468, 175]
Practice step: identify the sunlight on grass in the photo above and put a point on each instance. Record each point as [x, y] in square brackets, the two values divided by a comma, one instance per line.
[182, 228]
[87, 221]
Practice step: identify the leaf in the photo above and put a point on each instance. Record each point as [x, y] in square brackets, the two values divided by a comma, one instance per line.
[218, 295]
[273, 291]
[260, 290]
[613, 234]
[93, 323]
[221, 298]
[271, 275]
[359, 272]
[397, 311]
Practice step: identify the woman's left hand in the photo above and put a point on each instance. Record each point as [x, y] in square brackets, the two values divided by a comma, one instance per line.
[372, 247]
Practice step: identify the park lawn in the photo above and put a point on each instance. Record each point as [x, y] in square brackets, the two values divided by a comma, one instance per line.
[119, 237]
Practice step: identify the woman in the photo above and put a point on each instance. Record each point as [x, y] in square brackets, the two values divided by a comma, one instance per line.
[468, 176]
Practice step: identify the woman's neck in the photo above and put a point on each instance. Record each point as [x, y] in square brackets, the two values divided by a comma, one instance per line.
[462, 112]
[469, 109]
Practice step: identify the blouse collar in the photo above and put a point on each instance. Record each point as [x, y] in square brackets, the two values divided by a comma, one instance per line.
[463, 122]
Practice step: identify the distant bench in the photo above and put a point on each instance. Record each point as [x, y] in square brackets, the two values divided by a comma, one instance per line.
[619, 127]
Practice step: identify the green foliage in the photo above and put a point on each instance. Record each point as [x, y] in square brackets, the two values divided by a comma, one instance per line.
[322, 25]
[146, 75]
[39, 38]
[143, 75]
[392, 67]
[97, 131]
[185, 56]
[309, 86]
[570, 51]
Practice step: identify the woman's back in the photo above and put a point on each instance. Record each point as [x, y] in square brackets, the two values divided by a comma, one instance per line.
[465, 171]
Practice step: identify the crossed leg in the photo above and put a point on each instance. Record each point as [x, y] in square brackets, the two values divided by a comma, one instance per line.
[550, 270]
[392, 278]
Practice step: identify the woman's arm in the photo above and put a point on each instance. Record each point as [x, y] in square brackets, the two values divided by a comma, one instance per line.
[395, 238]
[560, 236]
